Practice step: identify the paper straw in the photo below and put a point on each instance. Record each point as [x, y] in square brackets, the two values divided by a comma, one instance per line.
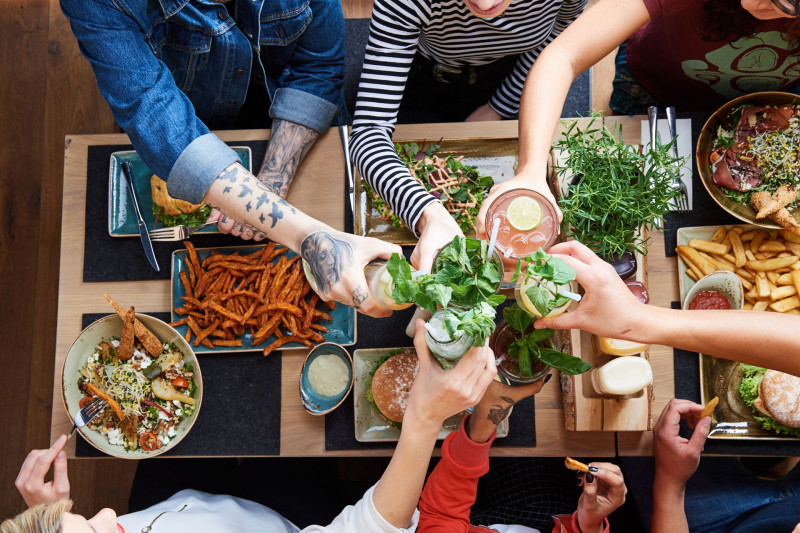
[429, 328]
[493, 240]
[571, 295]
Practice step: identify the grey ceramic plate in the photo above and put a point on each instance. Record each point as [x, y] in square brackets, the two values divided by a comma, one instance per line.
[732, 419]
[497, 158]
[370, 426]
[341, 330]
[121, 216]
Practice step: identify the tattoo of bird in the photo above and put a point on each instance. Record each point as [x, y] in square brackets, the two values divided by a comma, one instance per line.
[261, 218]
[276, 214]
[226, 190]
[262, 200]
[249, 206]
[246, 191]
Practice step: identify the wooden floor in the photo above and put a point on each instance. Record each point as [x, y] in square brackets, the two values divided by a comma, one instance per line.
[48, 91]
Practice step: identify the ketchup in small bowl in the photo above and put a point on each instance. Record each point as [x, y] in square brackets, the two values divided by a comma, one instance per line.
[710, 300]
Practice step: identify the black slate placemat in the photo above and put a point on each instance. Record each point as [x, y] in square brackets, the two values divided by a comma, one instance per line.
[705, 211]
[686, 366]
[390, 333]
[241, 410]
[107, 258]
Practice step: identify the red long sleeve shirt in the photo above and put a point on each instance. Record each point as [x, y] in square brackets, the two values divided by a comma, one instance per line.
[450, 490]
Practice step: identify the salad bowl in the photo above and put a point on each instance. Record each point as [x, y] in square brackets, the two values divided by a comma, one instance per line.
[77, 359]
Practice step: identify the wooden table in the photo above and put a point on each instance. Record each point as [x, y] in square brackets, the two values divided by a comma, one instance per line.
[317, 190]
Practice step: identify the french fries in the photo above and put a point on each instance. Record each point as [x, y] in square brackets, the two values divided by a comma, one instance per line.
[228, 295]
[572, 464]
[709, 407]
[766, 262]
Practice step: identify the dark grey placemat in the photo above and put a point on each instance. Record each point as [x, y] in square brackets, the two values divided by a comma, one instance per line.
[390, 333]
[107, 258]
[686, 366]
[241, 409]
[705, 211]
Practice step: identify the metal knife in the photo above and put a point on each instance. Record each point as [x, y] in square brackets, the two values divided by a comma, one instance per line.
[143, 234]
[348, 165]
[672, 130]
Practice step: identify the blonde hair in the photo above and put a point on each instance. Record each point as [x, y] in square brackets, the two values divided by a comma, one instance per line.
[42, 518]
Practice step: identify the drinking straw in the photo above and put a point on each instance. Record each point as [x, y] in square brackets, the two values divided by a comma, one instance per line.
[493, 240]
[571, 295]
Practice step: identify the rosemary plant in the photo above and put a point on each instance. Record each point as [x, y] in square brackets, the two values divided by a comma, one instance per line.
[618, 190]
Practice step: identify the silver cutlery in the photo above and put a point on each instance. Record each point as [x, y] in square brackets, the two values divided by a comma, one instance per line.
[148, 246]
[85, 415]
[177, 233]
[652, 118]
[348, 165]
[683, 200]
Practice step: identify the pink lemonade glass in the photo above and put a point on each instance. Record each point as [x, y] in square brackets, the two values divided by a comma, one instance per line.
[514, 243]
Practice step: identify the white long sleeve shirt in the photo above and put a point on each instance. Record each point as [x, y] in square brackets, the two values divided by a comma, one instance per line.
[199, 512]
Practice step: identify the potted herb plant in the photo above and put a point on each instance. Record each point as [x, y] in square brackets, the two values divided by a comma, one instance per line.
[616, 190]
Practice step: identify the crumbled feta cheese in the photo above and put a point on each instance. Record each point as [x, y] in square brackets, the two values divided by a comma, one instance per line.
[137, 351]
[178, 412]
[177, 403]
[145, 362]
[162, 416]
[115, 343]
[92, 359]
[171, 432]
[163, 438]
[115, 436]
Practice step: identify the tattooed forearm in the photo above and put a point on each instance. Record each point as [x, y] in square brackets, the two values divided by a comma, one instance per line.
[251, 203]
[328, 258]
[498, 413]
[288, 145]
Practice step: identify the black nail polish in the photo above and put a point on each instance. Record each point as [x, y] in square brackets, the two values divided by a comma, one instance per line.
[547, 377]
[589, 477]
[578, 474]
[579, 483]
[593, 469]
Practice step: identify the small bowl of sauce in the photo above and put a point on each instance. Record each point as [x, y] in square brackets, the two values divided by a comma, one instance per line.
[326, 378]
[718, 290]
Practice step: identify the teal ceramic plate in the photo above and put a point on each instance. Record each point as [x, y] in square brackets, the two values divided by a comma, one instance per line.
[121, 216]
[372, 427]
[314, 402]
[341, 330]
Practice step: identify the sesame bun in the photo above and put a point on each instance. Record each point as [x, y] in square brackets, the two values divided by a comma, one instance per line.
[391, 384]
[779, 398]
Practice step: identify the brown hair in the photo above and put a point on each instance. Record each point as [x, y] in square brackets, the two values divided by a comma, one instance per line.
[727, 20]
[42, 518]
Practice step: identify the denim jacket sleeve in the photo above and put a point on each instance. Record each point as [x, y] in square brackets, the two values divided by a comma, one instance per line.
[143, 96]
[310, 88]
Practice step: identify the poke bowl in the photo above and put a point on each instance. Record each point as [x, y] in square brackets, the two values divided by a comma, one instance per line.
[156, 398]
[749, 145]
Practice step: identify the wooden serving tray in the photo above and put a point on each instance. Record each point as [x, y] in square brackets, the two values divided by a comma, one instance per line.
[584, 409]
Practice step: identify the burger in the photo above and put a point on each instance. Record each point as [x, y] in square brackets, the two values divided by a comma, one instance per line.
[774, 397]
[391, 385]
[172, 211]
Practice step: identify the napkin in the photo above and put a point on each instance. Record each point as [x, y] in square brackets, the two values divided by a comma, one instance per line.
[683, 130]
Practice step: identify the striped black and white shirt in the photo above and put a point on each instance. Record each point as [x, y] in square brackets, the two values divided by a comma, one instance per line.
[446, 32]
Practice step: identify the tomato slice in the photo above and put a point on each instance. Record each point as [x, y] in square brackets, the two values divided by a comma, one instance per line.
[180, 382]
[86, 400]
[716, 154]
[149, 441]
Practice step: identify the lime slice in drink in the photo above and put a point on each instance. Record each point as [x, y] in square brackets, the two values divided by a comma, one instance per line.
[524, 213]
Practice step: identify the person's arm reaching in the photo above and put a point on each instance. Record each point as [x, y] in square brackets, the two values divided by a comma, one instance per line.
[337, 259]
[592, 36]
[610, 310]
[676, 461]
[451, 489]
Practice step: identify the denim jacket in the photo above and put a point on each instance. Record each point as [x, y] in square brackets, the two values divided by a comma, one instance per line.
[170, 69]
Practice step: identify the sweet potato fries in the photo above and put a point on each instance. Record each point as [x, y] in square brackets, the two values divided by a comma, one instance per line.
[264, 292]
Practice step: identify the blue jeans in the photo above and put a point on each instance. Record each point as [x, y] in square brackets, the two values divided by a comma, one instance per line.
[721, 497]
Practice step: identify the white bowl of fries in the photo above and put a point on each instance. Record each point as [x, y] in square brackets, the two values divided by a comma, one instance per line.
[110, 327]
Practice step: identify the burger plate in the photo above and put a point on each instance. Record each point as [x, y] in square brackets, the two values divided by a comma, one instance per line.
[370, 426]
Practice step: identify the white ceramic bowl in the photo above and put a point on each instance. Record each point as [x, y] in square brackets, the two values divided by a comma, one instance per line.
[104, 329]
[722, 281]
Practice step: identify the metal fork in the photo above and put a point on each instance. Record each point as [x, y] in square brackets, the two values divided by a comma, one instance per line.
[652, 118]
[177, 233]
[683, 200]
[85, 415]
